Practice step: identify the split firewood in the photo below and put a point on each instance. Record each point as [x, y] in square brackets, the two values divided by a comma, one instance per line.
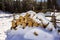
[21, 18]
[26, 19]
[14, 25]
[24, 25]
[30, 23]
[17, 22]
[35, 24]
[35, 33]
[27, 15]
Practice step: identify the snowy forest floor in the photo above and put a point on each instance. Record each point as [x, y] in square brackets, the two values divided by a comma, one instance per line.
[24, 34]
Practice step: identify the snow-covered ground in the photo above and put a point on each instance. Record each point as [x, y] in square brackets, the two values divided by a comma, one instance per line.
[5, 24]
[24, 34]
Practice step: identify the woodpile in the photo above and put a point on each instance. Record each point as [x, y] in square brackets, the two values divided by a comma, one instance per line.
[24, 21]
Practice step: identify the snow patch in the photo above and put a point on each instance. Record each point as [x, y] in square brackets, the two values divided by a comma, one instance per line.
[41, 35]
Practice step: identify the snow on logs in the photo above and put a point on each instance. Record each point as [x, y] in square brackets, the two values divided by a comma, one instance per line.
[24, 21]
[40, 18]
[32, 19]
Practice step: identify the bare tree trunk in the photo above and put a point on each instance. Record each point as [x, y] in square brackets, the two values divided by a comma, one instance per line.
[54, 18]
[3, 7]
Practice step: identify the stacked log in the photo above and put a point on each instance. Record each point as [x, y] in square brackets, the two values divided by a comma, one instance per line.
[24, 21]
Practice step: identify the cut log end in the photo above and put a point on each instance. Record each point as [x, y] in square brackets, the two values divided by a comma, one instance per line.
[35, 33]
